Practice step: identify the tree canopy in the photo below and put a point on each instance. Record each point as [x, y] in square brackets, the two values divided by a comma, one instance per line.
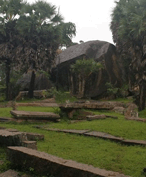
[30, 34]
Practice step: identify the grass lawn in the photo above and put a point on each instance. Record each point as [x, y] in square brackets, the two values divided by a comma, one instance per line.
[129, 160]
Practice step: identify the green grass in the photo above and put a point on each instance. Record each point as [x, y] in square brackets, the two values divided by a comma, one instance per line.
[4, 163]
[129, 160]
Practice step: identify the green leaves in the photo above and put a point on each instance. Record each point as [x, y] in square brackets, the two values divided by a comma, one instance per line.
[85, 67]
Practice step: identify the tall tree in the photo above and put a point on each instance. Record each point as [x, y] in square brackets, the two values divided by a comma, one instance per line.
[129, 33]
[42, 32]
[9, 11]
[30, 36]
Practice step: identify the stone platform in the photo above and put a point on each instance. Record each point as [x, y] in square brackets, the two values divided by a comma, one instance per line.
[35, 115]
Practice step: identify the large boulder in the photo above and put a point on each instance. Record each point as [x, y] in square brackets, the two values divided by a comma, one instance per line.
[100, 51]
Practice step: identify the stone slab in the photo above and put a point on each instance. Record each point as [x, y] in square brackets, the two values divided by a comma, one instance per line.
[35, 115]
[38, 104]
[43, 164]
[135, 142]
[92, 105]
[96, 117]
[81, 132]
[136, 119]
[5, 119]
[103, 135]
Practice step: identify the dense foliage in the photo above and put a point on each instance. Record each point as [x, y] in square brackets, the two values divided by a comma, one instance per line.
[30, 36]
[128, 27]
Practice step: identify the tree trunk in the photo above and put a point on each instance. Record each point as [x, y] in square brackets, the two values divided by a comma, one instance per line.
[7, 80]
[142, 88]
[31, 86]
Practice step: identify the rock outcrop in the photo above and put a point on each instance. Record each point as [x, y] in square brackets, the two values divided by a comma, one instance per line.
[100, 51]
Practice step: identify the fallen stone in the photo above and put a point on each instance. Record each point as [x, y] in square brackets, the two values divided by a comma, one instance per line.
[43, 164]
[75, 131]
[8, 138]
[135, 142]
[131, 111]
[136, 119]
[35, 115]
[94, 105]
[6, 119]
[12, 130]
[103, 135]
[30, 144]
[119, 110]
[95, 117]
[34, 136]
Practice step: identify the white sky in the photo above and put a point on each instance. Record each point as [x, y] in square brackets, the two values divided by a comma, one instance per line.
[91, 17]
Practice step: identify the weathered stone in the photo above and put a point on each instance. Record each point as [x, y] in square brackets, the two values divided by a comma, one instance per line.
[95, 86]
[34, 136]
[96, 117]
[119, 110]
[134, 142]
[94, 105]
[11, 138]
[136, 119]
[131, 111]
[81, 132]
[10, 173]
[104, 136]
[12, 130]
[30, 144]
[38, 104]
[35, 115]
[46, 164]
[5, 119]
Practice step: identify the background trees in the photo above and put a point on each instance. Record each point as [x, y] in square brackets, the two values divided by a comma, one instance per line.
[30, 36]
[128, 27]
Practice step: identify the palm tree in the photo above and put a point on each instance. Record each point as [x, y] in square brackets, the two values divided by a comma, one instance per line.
[9, 10]
[129, 33]
[32, 38]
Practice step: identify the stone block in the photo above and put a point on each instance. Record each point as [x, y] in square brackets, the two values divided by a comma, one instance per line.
[34, 136]
[30, 144]
[8, 138]
[45, 164]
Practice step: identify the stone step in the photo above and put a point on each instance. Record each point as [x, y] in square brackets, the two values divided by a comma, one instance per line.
[45, 164]
[35, 115]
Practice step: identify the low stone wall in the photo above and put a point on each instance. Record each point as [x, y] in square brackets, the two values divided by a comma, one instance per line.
[45, 164]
